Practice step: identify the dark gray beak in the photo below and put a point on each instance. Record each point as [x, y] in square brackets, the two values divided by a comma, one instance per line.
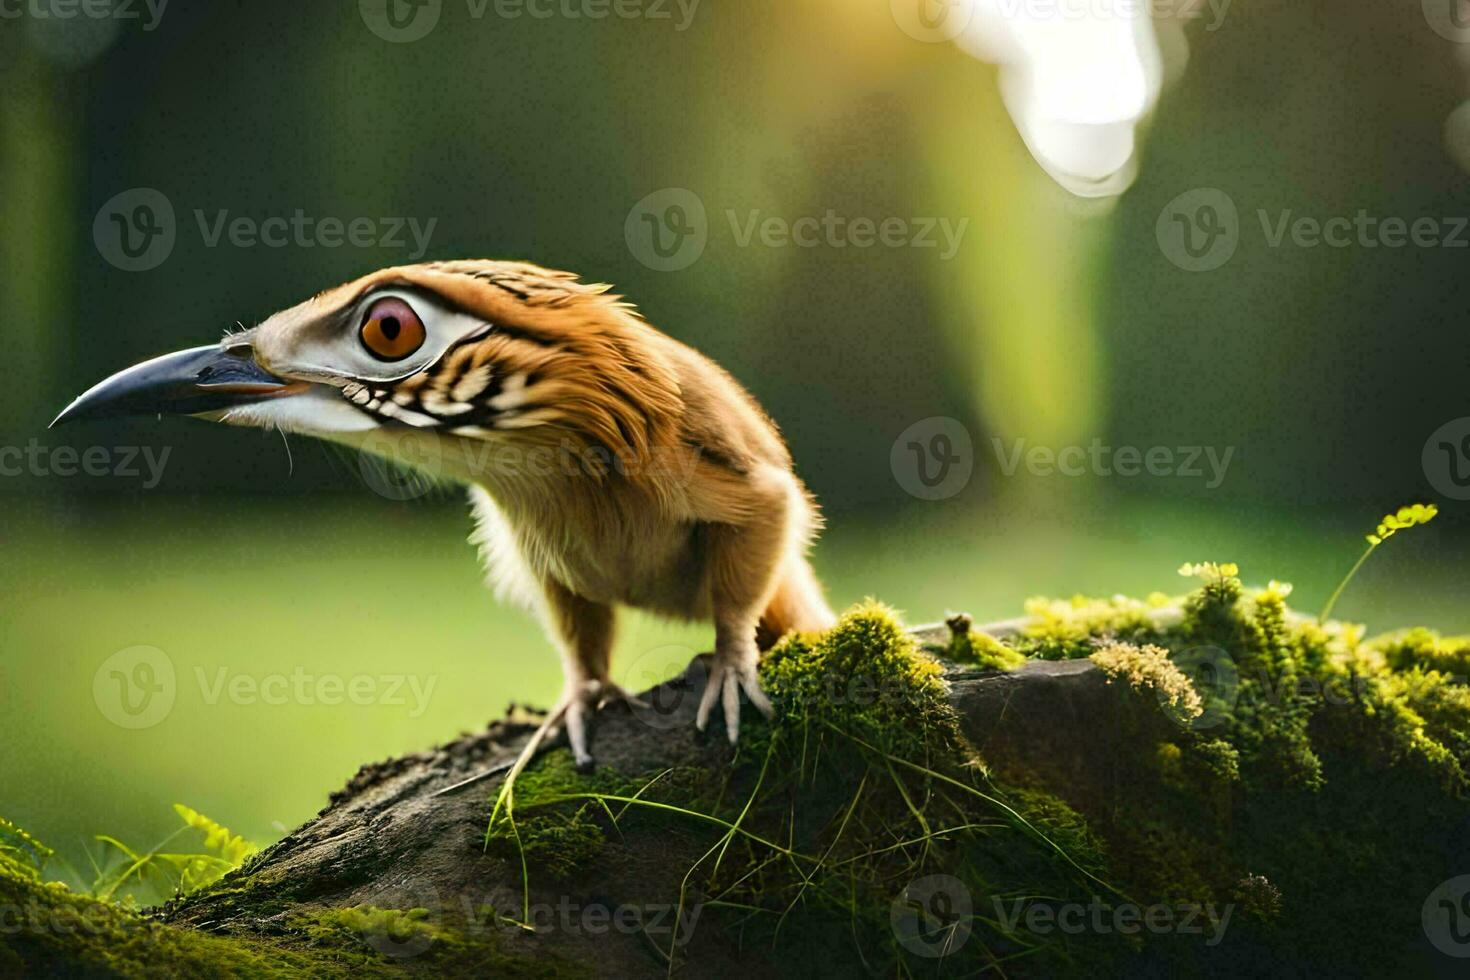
[188, 382]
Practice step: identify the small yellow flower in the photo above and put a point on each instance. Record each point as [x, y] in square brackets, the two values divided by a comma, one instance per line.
[1406, 517]
[1209, 570]
[1278, 589]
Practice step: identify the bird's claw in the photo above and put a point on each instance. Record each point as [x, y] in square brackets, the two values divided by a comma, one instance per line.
[570, 714]
[727, 678]
[578, 702]
[614, 694]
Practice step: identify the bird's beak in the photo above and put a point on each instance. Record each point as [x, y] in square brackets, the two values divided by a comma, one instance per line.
[189, 382]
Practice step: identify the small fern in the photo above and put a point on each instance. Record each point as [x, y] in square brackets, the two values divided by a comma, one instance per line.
[20, 853]
[165, 873]
[174, 873]
[1404, 518]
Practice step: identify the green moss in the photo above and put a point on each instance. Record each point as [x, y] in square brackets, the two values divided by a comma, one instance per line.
[1169, 761]
[1062, 825]
[863, 783]
[1427, 650]
[366, 939]
[969, 646]
[563, 838]
[865, 678]
[1067, 629]
[1273, 797]
[50, 930]
[1258, 898]
[1321, 782]
[1219, 758]
[397, 925]
[1148, 668]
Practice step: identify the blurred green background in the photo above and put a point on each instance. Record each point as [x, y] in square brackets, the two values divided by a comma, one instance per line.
[1059, 320]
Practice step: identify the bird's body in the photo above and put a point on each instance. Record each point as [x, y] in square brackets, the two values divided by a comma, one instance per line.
[608, 464]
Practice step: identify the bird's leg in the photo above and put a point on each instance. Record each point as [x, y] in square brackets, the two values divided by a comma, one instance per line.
[615, 694]
[583, 629]
[743, 563]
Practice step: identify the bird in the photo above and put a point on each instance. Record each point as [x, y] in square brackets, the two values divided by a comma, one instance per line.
[608, 464]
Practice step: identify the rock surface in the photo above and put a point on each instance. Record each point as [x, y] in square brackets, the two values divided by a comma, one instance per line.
[409, 832]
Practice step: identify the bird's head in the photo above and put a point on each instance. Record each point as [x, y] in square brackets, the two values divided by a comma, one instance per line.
[448, 352]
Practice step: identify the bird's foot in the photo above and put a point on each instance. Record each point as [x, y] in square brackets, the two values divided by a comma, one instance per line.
[614, 694]
[728, 676]
[578, 703]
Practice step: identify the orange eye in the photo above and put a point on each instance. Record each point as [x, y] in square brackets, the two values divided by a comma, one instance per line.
[392, 330]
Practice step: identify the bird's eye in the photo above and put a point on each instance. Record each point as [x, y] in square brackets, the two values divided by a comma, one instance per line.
[391, 330]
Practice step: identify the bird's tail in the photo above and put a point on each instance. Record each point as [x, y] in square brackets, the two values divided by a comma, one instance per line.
[797, 604]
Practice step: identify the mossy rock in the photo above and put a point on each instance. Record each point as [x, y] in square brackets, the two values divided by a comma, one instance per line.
[1108, 787]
